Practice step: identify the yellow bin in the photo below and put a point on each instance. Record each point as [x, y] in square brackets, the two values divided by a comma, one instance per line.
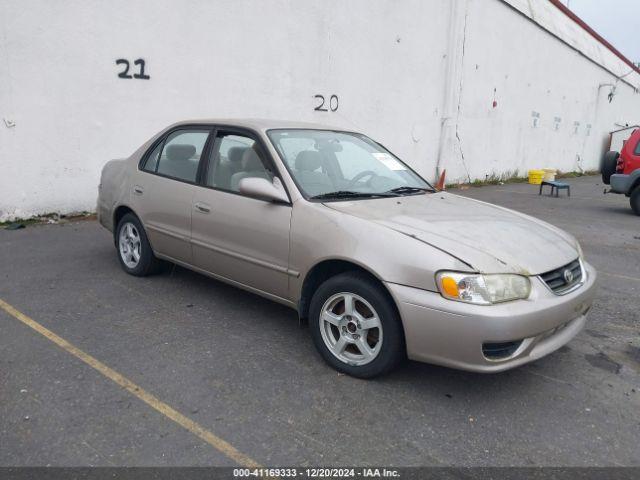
[535, 176]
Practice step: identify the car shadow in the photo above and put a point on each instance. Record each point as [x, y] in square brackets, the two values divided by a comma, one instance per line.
[411, 376]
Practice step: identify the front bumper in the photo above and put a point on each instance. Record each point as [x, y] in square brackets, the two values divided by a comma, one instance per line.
[452, 333]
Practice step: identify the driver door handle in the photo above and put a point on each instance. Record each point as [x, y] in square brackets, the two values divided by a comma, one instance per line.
[201, 207]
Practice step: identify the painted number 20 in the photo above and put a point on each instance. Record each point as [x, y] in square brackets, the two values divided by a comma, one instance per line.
[333, 103]
[125, 73]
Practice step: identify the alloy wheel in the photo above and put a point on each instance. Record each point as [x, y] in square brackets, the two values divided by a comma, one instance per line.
[351, 328]
[129, 244]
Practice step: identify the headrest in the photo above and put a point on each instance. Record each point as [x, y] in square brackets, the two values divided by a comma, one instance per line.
[235, 154]
[329, 145]
[251, 161]
[180, 152]
[308, 160]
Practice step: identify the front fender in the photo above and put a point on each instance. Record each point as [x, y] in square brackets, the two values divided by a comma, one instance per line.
[320, 233]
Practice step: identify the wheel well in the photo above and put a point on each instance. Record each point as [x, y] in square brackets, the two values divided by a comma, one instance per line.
[120, 212]
[325, 270]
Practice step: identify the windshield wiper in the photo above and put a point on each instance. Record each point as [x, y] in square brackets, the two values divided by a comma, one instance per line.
[406, 189]
[351, 194]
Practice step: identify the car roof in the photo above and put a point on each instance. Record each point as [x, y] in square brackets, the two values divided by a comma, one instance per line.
[262, 124]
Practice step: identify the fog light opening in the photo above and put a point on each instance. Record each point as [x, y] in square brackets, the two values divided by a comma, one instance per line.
[500, 351]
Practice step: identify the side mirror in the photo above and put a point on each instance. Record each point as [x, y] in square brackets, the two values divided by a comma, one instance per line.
[264, 189]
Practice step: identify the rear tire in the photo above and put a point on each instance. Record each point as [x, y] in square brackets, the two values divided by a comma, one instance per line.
[608, 165]
[635, 200]
[133, 248]
[355, 326]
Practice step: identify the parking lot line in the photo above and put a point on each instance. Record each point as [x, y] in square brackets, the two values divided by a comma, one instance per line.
[617, 275]
[216, 442]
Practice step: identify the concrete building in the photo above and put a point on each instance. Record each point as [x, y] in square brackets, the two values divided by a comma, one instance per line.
[476, 87]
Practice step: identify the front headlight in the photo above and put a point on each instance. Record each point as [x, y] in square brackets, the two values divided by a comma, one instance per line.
[482, 289]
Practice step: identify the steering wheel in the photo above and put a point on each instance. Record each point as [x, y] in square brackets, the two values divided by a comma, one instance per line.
[360, 176]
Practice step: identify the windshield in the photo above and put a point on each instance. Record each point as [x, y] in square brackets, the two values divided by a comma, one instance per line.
[327, 164]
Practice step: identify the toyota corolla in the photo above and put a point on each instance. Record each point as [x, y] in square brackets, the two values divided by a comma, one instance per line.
[380, 264]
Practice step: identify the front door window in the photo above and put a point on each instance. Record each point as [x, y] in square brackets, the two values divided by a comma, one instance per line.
[233, 158]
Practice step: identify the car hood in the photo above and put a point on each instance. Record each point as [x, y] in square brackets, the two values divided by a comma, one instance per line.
[488, 238]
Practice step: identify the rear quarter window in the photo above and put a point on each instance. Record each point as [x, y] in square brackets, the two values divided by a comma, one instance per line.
[151, 163]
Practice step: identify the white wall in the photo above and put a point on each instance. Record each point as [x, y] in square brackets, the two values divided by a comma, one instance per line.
[529, 71]
[401, 69]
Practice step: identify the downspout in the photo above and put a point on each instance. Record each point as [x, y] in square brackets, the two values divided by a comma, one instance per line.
[596, 109]
[453, 77]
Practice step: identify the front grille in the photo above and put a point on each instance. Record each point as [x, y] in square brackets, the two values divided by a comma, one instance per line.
[559, 281]
[499, 351]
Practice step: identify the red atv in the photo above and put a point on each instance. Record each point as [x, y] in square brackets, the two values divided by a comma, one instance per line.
[622, 170]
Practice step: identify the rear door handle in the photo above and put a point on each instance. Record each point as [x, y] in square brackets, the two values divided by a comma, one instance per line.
[138, 190]
[201, 207]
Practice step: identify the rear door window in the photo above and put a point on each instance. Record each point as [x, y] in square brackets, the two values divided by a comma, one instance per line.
[180, 155]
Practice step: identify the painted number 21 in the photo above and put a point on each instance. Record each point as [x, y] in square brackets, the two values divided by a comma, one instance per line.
[125, 72]
[333, 103]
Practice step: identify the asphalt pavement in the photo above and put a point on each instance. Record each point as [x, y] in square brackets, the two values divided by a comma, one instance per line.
[241, 369]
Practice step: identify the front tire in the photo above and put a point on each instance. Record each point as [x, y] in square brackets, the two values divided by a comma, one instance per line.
[635, 200]
[355, 326]
[134, 249]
